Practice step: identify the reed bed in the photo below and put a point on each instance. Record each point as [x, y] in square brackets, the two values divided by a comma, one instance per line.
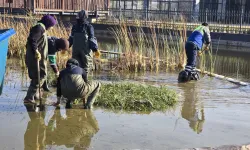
[22, 27]
[158, 49]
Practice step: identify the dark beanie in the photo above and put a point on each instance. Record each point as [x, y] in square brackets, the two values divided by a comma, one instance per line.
[72, 62]
[48, 21]
[82, 15]
[204, 24]
[62, 43]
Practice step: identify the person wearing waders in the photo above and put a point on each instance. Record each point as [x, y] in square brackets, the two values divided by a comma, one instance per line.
[55, 45]
[72, 84]
[37, 50]
[83, 40]
[194, 44]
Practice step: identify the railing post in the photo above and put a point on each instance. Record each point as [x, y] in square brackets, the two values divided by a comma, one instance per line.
[206, 15]
[34, 6]
[96, 13]
[120, 11]
[63, 6]
[241, 18]
[25, 4]
[108, 2]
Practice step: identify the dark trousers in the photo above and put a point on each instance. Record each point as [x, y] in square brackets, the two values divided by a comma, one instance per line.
[191, 52]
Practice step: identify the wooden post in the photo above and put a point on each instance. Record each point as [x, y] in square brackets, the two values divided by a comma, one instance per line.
[9, 8]
[87, 5]
[25, 4]
[4, 7]
[108, 2]
[34, 6]
[62, 5]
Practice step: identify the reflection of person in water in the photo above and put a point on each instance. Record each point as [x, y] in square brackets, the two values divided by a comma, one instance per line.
[74, 131]
[34, 137]
[189, 110]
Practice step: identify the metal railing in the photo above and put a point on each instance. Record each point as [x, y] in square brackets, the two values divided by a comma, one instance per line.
[231, 16]
[225, 11]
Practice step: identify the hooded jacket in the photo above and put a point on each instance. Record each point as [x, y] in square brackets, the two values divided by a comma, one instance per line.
[71, 81]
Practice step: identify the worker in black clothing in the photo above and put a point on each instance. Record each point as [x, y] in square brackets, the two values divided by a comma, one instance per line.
[37, 50]
[83, 40]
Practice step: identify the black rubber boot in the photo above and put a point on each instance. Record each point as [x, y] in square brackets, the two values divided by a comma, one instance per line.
[87, 106]
[68, 105]
[45, 86]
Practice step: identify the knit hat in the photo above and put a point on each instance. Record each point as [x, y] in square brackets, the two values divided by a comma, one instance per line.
[48, 21]
[204, 24]
[82, 15]
[71, 62]
[62, 44]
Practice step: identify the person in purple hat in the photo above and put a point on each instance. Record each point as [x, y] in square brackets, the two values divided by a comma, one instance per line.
[37, 50]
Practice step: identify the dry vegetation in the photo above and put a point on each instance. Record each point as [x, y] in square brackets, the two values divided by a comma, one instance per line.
[160, 49]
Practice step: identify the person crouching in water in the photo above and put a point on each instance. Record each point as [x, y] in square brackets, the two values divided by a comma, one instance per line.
[37, 50]
[72, 84]
[55, 45]
[83, 40]
[200, 36]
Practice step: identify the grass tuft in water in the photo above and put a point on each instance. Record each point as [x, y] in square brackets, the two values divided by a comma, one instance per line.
[135, 97]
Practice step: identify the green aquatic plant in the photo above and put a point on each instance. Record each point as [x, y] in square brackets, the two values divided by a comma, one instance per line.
[135, 97]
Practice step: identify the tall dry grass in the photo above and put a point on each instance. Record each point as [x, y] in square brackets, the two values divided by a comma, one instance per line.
[22, 27]
[159, 48]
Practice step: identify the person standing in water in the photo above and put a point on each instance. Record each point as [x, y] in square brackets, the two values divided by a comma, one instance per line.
[83, 40]
[194, 44]
[37, 50]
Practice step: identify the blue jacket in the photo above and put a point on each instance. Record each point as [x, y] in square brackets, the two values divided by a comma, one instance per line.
[199, 36]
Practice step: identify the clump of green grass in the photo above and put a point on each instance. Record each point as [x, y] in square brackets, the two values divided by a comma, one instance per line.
[135, 97]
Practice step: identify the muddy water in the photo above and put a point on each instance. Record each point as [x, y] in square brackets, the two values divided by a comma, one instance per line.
[210, 112]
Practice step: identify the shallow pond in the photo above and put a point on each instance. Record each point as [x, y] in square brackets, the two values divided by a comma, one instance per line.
[210, 113]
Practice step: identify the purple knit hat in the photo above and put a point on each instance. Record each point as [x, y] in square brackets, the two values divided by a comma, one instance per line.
[48, 21]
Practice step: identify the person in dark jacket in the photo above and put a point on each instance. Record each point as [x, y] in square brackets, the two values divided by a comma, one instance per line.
[55, 45]
[194, 44]
[37, 50]
[83, 40]
[72, 84]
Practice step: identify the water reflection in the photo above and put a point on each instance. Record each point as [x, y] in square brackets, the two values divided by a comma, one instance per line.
[53, 128]
[190, 111]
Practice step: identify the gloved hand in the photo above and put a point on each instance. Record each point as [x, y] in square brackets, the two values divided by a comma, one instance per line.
[200, 53]
[97, 54]
[206, 47]
[38, 55]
